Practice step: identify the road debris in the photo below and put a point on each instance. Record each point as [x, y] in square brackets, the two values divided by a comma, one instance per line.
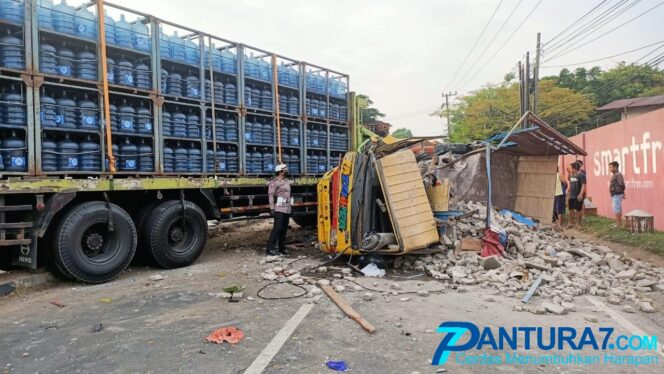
[347, 309]
[337, 365]
[97, 328]
[57, 303]
[156, 277]
[225, 334]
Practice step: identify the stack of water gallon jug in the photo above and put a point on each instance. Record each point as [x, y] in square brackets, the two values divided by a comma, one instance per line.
[189, 76]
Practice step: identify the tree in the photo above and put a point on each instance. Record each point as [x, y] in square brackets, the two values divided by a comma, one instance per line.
[402, 133]
[370, 115]
[494, 109]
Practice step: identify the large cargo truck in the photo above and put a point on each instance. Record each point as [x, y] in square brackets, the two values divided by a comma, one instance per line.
[126, 133]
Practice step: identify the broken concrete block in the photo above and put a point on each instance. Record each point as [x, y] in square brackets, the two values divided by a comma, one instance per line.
[404, 299]
[535, 309]
[613, 299]
[293, 277]
[590, 318]
[456, 272]
[323, 282]
[156, 277]
[615, 264]
[626, 274]
[423, 293]
[646, 307]
[629, 309]
[470, 244]
[646, 283]
[490, 263]
[569, 307]
[269, 276]
[346, 271]
[322, 269]
[529, 249]
[315, 291]
[277, 269]
[552, 261]
[340, 288]
[368, 296]
[554, 308]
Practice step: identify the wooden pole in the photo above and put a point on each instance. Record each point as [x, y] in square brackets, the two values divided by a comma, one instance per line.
[347, 309]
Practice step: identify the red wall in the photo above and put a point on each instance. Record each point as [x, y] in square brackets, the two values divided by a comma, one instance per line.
[638, 145]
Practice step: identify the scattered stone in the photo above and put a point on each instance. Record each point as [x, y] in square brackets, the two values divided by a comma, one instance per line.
[535, 309]
[646, 307]
[25, 354]
[339, 288]
[337, 276]
[323, 282]
[249, 298]
[270, 276]
[346, 271]
[490, 263]
[156, 277]
[626, 274]
[277, 269]
[404, 299]
[569, 307]
[590, 318]
[423, 293]
[368, 296]
[315, 291]
[357, 288]
[395, 286]
[613, 299]
[646, 283]
[322, 269]
[628, 309]
[293, 277]
[554, 308]
[529, 249]
[269, 259]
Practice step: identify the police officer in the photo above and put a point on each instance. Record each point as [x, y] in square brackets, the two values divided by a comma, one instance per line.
[279, 194]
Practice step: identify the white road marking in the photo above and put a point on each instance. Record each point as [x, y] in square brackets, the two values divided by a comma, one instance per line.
[268, 353]
[622, 321]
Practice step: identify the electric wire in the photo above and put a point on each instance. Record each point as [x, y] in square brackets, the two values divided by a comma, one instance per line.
[472, 49]
[604, 58]
[575, 22]
[608, 32]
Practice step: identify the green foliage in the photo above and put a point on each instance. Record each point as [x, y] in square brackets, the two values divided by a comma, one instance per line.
[601, 227]
[495, 109]
[402, 133]
[370, 115]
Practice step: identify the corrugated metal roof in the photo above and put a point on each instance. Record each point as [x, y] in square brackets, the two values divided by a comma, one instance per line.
[538, 139]
[632, 103]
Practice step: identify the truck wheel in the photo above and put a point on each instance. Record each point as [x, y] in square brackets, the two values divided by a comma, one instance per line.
[140, 219]
[305, 220]
[85, 250]
[172, 241]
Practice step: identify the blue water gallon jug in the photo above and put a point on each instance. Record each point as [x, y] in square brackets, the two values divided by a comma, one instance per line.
[209, 161]
[257, 133]
[110, 70]
[322, 164]
[314, 139]
[228, 62]
[256, 161]
[293, 105]
[215, 61]
[66, 61]
[66, 112]
[177, 47]
[167, 124]
[314, 108]
[174, 84]
[90, 155]
[193, 125]
[14, 153]
[264, 70]
[222, 162]
[164, 45]
[266, 99]
[248, 100]
[169, 160]
[255, 97]
[109, 29]
[11, 51]
[141, 35]
[195, 157]
[128, 156]
[268, 133]
[45, 14]
[179, 123]
[47, 110]
[230, 94]
[144, 119]
[322, 109]
[293, 77]
[49, 158]
[343, 112]
[192, 86]
[13, 108]
[220, 128]
[322, 138]
[250, 66]
[248, 131]
[86, 65]
[192, 54]
[294, 166]
[312, 164]
[63, 18]
[334, 111]
[218, 92]
[208, 128]
[268, 161]
[231, 130]
[126, 118]
[294, 135]
[145, 157]
[181, 159]
[283, 104]
[88, 112]
[48, 61]
[124, 36]
[142, 76]
[282, 74]
[307, 104]
[67, 154]
[232, 162]
[113, 111]
[285, 159]
[85, 24]
[164, 81]
[124, 72]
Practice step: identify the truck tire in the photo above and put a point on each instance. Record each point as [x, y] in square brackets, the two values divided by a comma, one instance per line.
[140, 219]
[169, 242]
[84, 249]
[305, 220]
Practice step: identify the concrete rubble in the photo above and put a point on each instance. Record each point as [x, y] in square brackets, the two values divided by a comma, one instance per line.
[570, 268]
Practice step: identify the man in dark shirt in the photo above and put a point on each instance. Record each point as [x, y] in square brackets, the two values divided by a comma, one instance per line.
[617, 191]
[577, 191]
[582, 170]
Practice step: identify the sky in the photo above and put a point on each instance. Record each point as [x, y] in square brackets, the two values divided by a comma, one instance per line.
[404, 54]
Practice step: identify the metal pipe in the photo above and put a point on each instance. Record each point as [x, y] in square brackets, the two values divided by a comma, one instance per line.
[104, 80]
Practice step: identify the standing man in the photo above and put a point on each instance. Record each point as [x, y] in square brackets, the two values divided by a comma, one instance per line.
[279, 195]
[559, 199]
[577, 190]
[617, 191]
[582, 170]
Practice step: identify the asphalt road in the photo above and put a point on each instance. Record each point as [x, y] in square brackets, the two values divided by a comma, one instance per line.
[159, 326]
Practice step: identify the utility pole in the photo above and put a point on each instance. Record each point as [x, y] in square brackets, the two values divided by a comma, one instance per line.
[447, 110]
[536, 75]
[526, 89]
[521, 106]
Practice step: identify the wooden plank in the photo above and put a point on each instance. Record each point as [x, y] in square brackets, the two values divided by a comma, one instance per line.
[347, 309]
[536, 177]
[439, 196]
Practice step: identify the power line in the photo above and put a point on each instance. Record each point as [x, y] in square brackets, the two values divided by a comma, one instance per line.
[585, 27]
[651, 52]
[608, 32]
[472, 49]
[605, 58]
[504, 43]
[492, 40]
[575, 22]
[592, 28]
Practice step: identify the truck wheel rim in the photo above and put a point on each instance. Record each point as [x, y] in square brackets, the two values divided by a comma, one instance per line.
[97, 243]
[181, 237]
